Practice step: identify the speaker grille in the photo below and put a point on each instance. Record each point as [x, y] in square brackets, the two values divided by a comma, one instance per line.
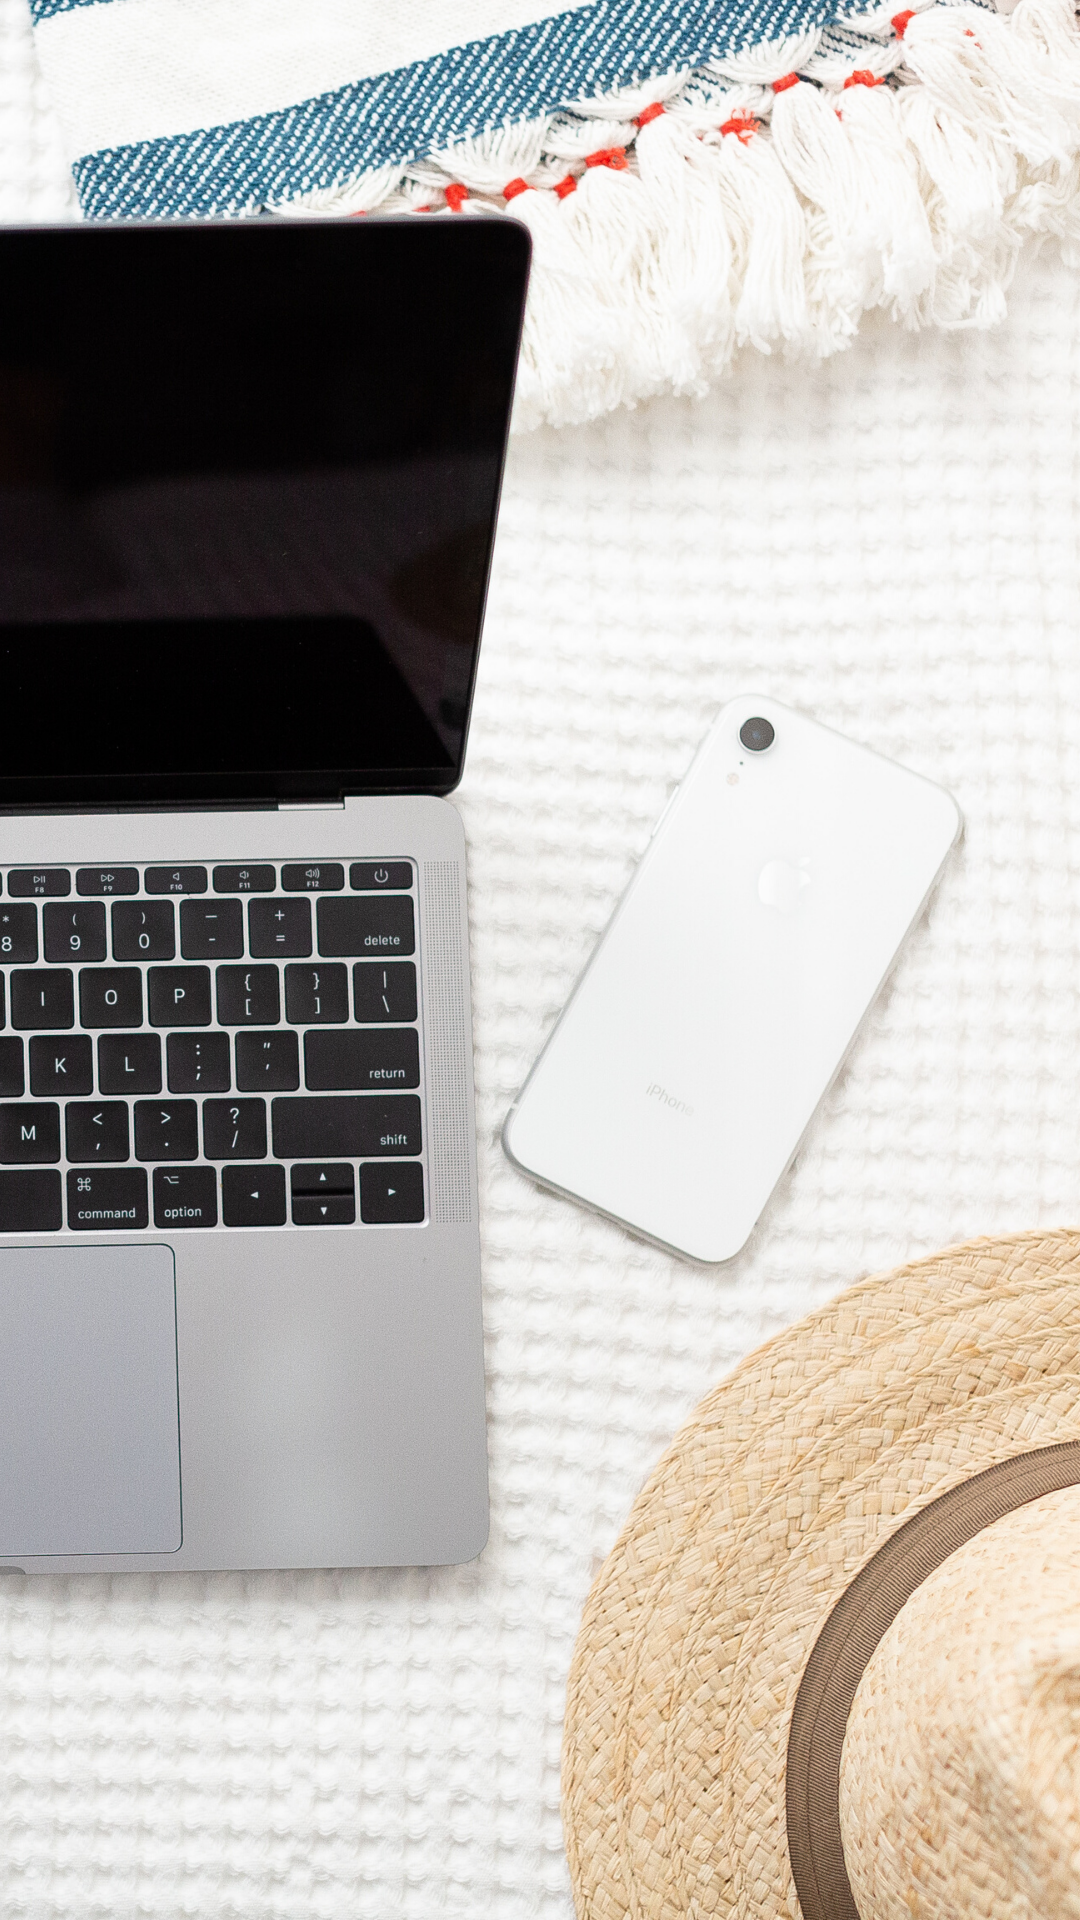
[446, 1042]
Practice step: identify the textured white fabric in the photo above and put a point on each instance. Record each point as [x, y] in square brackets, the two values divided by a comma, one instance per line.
[890, 542]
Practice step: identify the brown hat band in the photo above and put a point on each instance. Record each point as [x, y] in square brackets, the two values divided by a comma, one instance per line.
[848, 1640]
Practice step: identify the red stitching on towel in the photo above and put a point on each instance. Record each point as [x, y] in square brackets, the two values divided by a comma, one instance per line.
[613, 157]
[569, 185]
[742, 125]
[901, 21]
[650, 113]
[514, 187]
[785, 81]
[863, 78]
[456, 196]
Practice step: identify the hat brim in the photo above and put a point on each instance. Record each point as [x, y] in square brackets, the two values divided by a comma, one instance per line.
[786, 1480]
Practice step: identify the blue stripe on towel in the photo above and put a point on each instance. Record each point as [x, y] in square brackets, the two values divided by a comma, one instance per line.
[396, 117]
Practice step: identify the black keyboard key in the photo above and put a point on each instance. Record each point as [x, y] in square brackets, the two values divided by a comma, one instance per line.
[43, 999]
[267, 1062]
[365, 1062]
[129, 1063]
[166, 1130]
[59, 1067]
[380, 876]
[185, 1198]
[29, 1133]
[322, 1177]
[248, 996]
[179, 996]
[384, 993]
[392, 1194]
[323, 1128]
[175, 879]
[211, 929]
[106, 1199]
[316, 993]
[144, 931]
[97, 1130]
[74, 933]
[234, 1129]
[38, 882]
[253, 1196]
[198, 1062]
[111, 997]
[337, 1210]
[369, 927]
[12, 1083]
[253, 879]
[318, 876]
[3, 1002]
[323, 1196]
[18, 936]
[31, 1201]
[105, 880]
[279, 929]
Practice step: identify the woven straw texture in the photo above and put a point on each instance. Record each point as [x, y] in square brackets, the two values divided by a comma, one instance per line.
[889, 543]
[787, 1478]
[960, 1779]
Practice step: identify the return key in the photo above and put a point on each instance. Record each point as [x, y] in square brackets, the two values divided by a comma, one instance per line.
[345, 1060]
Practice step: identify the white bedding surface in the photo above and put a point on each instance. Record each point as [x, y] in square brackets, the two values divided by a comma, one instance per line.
[890, 542]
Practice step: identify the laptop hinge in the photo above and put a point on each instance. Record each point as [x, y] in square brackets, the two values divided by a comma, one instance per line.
[310, 806]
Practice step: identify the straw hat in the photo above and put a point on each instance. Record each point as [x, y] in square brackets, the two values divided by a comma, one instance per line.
[833, 1663]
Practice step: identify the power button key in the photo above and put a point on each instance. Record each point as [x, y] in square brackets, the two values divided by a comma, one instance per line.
[380, 876]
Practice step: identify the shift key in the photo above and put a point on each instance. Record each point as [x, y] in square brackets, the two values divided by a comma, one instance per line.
[351, 1128]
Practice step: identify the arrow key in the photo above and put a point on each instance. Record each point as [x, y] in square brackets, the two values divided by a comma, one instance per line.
[253, 1196]
[333, 1210]
[392, 1193]
[323, 1195]
[324, 1176]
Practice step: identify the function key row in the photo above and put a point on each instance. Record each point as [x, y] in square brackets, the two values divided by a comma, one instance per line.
[311, 876]
[105, 1199]
[277, 928]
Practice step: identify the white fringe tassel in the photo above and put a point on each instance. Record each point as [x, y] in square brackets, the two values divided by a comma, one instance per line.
[896, 161]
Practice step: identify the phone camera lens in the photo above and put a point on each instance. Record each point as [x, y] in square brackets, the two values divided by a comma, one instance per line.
[757, 734]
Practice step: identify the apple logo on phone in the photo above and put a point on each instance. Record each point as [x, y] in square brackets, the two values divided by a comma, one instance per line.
[783, 886]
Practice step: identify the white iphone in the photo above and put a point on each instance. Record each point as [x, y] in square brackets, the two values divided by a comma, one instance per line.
[720, 1003]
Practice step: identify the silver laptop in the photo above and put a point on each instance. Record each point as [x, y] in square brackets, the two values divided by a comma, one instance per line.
[249, 477]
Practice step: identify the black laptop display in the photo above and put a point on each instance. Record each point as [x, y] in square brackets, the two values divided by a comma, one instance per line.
[248, 482]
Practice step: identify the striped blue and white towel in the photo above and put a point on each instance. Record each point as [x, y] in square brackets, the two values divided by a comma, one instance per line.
[697, 173]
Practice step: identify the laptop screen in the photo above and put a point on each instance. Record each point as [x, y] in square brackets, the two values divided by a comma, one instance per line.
[249, 475]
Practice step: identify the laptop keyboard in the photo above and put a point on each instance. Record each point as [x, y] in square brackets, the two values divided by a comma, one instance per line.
[199, 1047]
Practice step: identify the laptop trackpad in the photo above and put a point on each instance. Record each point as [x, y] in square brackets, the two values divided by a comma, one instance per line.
[89, 1422]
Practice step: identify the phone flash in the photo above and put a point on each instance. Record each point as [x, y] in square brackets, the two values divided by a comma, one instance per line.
[733, 779]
